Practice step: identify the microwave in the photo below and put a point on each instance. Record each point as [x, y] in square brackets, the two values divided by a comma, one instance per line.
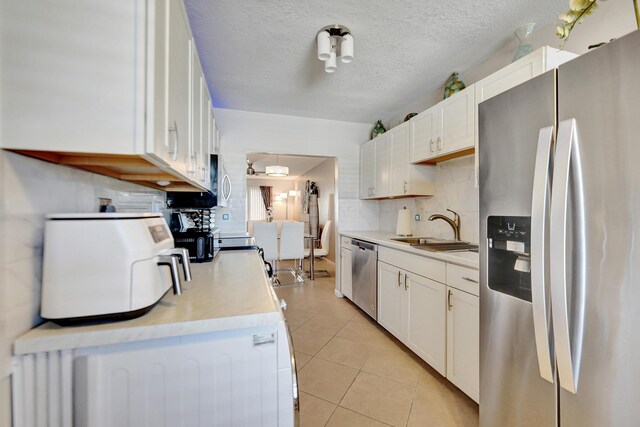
[219, 194]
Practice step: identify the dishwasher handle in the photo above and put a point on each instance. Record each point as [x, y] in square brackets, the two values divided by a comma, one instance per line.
[365, 246]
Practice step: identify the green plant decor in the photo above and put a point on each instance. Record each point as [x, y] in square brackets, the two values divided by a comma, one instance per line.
[453, 85]
[578, 10]
[378, 129]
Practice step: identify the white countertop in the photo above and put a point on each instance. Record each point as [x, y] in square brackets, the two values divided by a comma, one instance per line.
[383, 238]
[231, 292]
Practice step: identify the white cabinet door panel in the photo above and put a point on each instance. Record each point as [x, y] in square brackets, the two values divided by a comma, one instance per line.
[390, 299]
[221, 380]
[381, 170]
[399, 164]
[423, 131]
[345, 273]
[426, 332]
[367, 169]
[463, 342]
[70, 78]
[457, 118]
[180, 80]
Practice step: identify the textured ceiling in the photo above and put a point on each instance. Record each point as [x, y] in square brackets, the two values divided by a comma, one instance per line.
[260, 55]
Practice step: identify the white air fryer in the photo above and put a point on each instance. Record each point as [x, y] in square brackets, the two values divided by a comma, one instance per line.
[102, 266]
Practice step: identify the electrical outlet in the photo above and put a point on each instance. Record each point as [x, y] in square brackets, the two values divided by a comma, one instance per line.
[417, 217]
[225, 217]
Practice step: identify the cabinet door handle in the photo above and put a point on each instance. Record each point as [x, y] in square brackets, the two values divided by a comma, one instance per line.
[173, 152]
[405, 187]
[405, 282]
[439, 143]
[399, 278]
[226, 188]
[431, 145]
[469, 279]
[449, 300]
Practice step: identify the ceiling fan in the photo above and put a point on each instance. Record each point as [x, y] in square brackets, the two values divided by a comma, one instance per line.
[251, 170]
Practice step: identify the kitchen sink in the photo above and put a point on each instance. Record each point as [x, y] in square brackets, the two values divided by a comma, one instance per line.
[453, 247]
[414, 241]
[437, 245]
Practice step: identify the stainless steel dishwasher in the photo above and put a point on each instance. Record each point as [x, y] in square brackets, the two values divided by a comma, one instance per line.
[364, 275]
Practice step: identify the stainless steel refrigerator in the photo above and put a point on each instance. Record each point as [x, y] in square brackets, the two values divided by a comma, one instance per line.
[560, 245]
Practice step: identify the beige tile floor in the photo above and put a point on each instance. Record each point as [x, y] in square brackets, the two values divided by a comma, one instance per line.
[352, 373]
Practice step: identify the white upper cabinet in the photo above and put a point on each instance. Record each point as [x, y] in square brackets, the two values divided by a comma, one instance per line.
[382, 170]
[540, 61]
[374, 171]
[204, 161]
[385, 171]
[194, 158]
[70, 76]
[407, 179]
[367, 169]
[399, 160]
[423, 135]
[215, 134]
[444, 129]
[115, 94]
[179, 86]
[526, 68]
[456, 123]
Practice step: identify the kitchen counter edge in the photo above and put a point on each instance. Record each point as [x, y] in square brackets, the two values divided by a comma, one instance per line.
[232, 292]
[383, 238]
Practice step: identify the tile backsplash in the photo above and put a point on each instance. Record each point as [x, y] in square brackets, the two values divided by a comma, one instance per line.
[30, 189]
[455, 190]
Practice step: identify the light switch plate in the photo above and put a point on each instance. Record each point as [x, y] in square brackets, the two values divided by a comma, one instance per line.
[417, 217]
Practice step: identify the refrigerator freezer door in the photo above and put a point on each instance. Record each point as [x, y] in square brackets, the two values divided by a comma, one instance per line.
[601, 91]
[512, 392]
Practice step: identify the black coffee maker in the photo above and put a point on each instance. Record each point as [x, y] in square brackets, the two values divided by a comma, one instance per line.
[194, 230]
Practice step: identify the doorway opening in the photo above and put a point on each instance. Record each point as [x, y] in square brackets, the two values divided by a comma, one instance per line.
[289, 198]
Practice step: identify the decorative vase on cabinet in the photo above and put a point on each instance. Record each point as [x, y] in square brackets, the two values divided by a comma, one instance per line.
[523, 34]
[379, 129]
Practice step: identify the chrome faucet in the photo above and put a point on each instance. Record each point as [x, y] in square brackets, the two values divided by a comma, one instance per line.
[454, 223]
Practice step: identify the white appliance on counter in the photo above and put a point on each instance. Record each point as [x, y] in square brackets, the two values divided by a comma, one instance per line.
[107, 265]
[219, 355]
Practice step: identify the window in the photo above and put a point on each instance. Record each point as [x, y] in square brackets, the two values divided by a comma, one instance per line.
[255, 205]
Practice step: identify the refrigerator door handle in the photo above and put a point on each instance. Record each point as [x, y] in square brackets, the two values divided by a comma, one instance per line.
[568, 349]
[539, 209]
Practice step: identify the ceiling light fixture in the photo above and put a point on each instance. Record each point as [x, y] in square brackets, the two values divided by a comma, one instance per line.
[277, 170]
[331, 39]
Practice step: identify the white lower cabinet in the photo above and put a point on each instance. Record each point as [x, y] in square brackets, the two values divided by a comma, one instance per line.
[412, 308]
[463, 341]
[240, 377]
[427, 320]
[345, 273]
[390, 299]
[439, 322]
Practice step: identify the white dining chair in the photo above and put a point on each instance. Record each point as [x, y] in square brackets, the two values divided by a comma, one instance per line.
[265, 235]
[292, 246]
[323, 250]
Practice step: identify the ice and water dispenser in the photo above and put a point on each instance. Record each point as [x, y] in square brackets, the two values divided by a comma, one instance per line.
[509, 241]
